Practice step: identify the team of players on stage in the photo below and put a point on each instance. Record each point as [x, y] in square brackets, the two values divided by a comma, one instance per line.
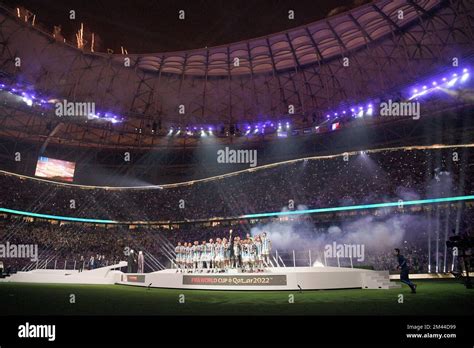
[250, 254]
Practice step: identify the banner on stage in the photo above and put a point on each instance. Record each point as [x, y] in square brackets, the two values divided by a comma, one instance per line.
[234, 280]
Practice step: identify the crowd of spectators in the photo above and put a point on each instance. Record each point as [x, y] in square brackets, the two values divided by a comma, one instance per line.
[75, 245]
[315, 183]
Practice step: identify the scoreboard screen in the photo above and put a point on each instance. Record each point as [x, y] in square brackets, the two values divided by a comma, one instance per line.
[55, 169]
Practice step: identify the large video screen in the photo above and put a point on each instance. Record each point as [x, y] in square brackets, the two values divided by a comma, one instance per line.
[55, 169]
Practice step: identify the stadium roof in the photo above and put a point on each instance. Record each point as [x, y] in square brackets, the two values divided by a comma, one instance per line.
[387, 44]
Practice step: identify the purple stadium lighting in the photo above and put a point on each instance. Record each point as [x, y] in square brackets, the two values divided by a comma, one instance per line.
[370, 110]
[30, 99]
[444, 82]
[452, 82]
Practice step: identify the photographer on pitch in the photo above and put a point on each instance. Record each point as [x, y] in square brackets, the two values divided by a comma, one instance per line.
[404, 270]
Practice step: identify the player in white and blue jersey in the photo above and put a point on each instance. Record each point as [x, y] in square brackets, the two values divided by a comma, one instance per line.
[196, 255]
[266, 248]
[212, 254]
[258, 254]
[237, 253]
[179, 250]
[204, 256]
[226, 246]
[189, 257]
[245, 255]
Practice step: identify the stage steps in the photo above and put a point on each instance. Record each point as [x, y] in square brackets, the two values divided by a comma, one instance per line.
[378, 280]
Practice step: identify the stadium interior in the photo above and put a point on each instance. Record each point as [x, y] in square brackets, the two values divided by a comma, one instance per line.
[354, 128]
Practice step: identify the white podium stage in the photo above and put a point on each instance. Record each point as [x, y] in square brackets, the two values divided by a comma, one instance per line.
[280, 278]
[285, 278]
[103, 275]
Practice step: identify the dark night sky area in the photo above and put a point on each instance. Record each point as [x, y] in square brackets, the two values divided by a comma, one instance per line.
[153, 26]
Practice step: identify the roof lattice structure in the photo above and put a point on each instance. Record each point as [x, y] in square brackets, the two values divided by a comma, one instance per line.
[302, 67]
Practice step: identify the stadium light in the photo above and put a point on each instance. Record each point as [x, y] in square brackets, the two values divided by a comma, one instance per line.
[27, 101]
[57, 217]
[370, 110]
[452, 82]
[360, 207]
[261, 215]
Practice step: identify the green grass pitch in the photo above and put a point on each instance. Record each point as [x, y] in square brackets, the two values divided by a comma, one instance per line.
[434, 297]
